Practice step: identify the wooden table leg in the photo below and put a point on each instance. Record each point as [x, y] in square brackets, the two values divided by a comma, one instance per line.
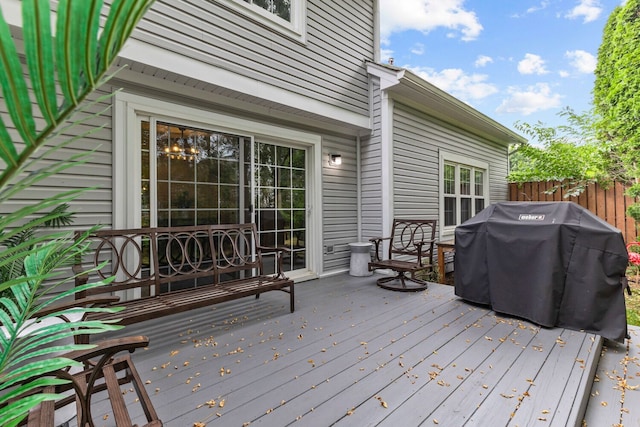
[441, 272]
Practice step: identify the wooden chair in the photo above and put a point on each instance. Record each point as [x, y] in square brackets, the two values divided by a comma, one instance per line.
[410, 252]
[103, 371]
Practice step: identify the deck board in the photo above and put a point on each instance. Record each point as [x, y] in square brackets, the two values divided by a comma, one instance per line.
[349, 347]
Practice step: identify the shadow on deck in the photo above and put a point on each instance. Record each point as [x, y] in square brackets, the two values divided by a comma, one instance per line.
[356, 354]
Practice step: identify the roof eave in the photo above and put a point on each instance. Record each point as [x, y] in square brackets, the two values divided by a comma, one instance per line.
[424, 96]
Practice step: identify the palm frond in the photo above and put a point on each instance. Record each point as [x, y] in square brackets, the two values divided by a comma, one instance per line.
[14, 87]
[39, 53]
[77, 27]
[76, 62]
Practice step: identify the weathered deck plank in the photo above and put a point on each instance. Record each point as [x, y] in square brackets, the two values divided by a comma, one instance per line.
[615, 395]
[350, 347]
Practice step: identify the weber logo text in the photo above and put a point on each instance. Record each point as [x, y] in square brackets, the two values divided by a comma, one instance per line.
[531, 217]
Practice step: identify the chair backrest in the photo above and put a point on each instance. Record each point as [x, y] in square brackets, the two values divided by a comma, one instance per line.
[407, 234]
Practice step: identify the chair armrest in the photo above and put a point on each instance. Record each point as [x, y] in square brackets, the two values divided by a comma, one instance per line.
[376, 241]
[422, 243]
[106, 349]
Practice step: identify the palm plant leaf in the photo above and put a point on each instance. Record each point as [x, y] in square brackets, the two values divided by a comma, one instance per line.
[79, 71]
[16, 95]
[75, 63]
[39, 53]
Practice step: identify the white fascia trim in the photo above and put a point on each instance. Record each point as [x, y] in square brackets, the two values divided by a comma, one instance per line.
[163, 59]
[155, 107]
[12, 12]
[388, 77]
[424, 89]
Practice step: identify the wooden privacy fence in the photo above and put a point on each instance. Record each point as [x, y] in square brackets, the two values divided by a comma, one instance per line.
[609, 203]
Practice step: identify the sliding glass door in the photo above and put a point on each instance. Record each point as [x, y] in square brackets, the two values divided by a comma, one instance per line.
[196, 176]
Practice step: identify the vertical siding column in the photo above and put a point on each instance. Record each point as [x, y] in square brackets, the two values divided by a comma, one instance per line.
[376, 31]
[386, 164]
[359, 188]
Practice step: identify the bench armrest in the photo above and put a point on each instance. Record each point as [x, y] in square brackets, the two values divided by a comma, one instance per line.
[279, 250]
[272, 249]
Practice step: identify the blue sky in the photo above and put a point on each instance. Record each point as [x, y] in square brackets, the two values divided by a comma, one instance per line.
[513, 60]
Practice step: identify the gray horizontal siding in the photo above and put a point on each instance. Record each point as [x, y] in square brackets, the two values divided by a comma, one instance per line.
[339, 201]
[90, 134]
[418, 140]
[328, 68]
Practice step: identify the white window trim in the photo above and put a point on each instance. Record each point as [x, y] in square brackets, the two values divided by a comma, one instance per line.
[127, 157]
[446, 157]
[296, 29]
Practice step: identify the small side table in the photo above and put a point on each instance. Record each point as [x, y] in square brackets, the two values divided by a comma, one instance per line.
[446, 246]
[360, 258]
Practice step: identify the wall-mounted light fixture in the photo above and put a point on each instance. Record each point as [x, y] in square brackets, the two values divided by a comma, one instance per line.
[335, 159]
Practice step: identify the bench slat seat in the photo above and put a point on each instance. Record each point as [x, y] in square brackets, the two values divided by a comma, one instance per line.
[174, 269]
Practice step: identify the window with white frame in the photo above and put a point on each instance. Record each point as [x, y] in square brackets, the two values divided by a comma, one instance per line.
[281, 8]
[464, 188]
[285, 16]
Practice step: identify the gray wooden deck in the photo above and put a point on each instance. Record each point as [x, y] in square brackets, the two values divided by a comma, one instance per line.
[354, 354]
[615, 396]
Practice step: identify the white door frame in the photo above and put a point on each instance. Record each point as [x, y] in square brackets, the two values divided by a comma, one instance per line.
[127, 157]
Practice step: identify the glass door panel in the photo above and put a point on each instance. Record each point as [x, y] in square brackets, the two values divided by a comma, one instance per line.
[280, 201]
[196, 176]
[193, 176]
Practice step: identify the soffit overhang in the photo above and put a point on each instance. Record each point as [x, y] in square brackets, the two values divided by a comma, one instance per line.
[414, 91]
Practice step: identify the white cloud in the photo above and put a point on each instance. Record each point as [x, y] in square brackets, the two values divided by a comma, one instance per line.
[582, 61]
[482, 61]
[563, 73]
[458, 83]
[532, 9]
[588, 10]
[418, 49]
[427, 15]
[530, 100]
[385, 54]
[532, 64]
